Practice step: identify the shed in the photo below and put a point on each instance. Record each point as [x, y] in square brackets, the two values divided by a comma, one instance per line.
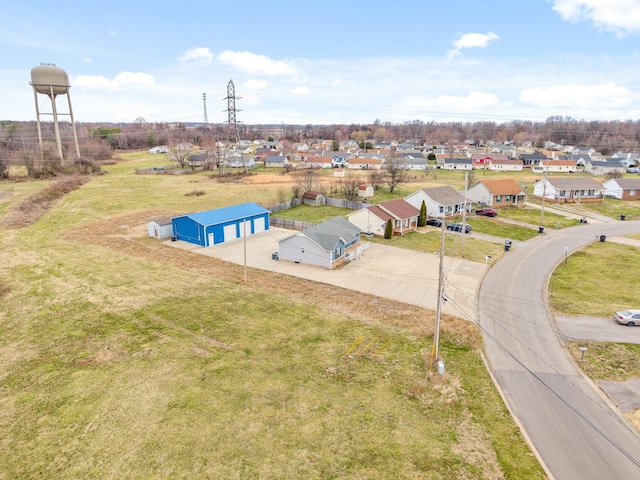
[160, 228]
[314, 199]
[221, 225]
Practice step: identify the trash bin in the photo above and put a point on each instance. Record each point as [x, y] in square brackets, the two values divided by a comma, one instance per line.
[275, 256]
[603, 238]
[540, 229]
[623, 217]
[507, 245]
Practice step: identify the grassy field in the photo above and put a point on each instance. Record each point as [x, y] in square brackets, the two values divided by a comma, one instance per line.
[122, 358]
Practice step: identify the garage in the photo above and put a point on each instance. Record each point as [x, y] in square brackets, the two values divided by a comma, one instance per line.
[221, 225]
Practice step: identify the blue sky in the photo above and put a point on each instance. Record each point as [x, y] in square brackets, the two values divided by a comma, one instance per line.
[348, 61]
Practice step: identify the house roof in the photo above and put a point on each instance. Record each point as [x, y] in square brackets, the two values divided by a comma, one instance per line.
[460, 161]
[628, 183]
[574, 183]
[505, 161]
[399, 208]
[559, 163]
[162, 221]
[227, 214]
[311, 195]
[445, 195]
[275, 159]
[506, 186]
[328, 234]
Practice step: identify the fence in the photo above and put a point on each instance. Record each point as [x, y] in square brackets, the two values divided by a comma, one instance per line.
[290, 224]
[351, 205]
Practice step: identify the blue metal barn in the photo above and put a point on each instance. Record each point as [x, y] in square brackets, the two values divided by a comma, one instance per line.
[221, 225]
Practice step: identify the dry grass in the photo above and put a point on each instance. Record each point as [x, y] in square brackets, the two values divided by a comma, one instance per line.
[31, 209]
[121, 357]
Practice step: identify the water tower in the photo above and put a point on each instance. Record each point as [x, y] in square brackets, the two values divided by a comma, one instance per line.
[49, 80]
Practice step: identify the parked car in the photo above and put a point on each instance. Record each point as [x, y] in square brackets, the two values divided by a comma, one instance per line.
[629, 318]
[633, 170]
[487, 212]
[434, 222]
[457, 227]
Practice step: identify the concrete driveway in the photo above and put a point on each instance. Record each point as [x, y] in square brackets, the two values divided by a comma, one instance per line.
[397, 273]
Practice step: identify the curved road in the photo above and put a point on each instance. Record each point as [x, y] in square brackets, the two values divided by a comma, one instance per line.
[575, 431]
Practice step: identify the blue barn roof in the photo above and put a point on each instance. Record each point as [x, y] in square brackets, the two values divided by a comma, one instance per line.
[226, 214]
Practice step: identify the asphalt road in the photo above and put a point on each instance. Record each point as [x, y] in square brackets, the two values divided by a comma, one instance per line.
[572, 426]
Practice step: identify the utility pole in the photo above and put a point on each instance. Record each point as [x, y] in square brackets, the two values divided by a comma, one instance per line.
[544, 194]
[464, 213]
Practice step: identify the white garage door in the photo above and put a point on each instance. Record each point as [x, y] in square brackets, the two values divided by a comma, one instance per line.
[230, 232]
[259, 224]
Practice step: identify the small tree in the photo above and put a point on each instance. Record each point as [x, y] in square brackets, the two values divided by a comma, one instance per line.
[422, 219]
[388, 231]
[335, 145]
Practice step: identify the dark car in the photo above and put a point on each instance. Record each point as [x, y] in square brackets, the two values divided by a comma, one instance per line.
[487, 212]
[458, 227]
[434, 222]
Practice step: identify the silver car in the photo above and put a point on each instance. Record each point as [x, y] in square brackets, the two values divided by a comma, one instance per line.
[629, 318]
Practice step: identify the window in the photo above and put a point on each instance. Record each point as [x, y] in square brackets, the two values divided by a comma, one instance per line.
[498, 198]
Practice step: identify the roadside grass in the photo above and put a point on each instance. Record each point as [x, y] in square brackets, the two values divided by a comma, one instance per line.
[613, 362]
[496, 228]
[596, 281]
[122, 358]
[613, 208]
[532, 217]
[428, 240]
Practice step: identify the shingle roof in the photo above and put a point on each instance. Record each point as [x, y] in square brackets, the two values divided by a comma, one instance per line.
[446, 195]
[574, 183]
[327, 234]
[628, 183]
[505, 186]
[400, 208]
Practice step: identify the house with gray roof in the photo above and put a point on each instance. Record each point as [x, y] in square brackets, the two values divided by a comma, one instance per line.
[441, 202]
[606, 166]
[568, 189]
[622, 188]
[328, 244]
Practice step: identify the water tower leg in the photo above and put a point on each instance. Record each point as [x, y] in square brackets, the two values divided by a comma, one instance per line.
[56, 127]
[73, 126]
[35, 98]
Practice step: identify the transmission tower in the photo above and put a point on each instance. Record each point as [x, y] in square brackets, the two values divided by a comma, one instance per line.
[233, 136]
[204, 100]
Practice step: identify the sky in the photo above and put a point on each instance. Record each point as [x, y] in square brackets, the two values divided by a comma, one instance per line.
[326, 62]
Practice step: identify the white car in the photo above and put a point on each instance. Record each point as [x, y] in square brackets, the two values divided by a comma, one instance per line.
[629, 318]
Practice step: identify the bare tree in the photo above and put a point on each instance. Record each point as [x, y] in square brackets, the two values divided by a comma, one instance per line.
[349, 187]
[306, 179]
[181, 153]
[395, 171]
[376, 179]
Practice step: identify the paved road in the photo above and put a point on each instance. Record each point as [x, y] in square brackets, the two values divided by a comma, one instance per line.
[573, 427]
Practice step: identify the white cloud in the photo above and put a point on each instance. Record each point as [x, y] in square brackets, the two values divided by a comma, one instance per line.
[255, 84]
[302, 90]
[122, 80]
[473, 101]
[201, 55]
[581, 97]
[252, 63]
[113, 33]
[472, 40]
[88, 60]
[619, 16]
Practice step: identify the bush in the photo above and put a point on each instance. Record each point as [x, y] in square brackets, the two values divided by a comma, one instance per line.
[388, 231]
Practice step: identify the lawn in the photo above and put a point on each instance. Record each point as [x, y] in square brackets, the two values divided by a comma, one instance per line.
[577, 287]
[123, 358]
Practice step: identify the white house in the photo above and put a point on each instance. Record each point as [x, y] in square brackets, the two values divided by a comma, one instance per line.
[506, 165]
[373, 219]
[440, 201]
[622, 188]
[555, 166]
[568, 189]
[326, 245]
